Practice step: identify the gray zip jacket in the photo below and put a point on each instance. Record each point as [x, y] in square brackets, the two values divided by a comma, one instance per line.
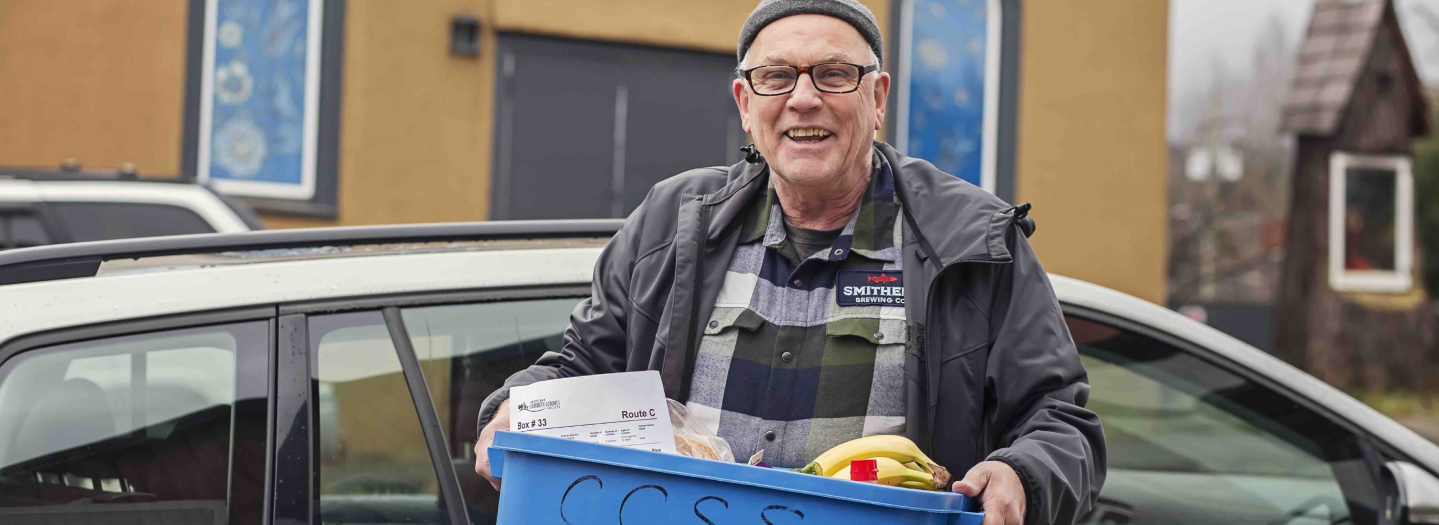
[991, 372]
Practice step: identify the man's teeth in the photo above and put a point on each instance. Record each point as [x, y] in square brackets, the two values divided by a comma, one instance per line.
[796, 133]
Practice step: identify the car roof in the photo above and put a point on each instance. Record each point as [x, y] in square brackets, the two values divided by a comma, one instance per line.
[67, 285]
[92, 259]
[140, 278]
[85, 188]
[126, 173]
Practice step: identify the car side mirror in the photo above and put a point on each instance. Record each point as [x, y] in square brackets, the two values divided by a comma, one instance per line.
[1411, 494]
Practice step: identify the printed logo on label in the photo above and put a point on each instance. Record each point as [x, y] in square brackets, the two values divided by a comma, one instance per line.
[869, 288]
[539, 405]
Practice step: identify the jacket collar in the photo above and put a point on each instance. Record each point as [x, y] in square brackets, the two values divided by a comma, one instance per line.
[746, 180]
[956, 220]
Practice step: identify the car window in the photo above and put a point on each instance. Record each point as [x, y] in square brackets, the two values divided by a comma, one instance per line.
[134, 429]
[21, 229]
[467, 351]
[99, 221]
[373, 463]
[1192, 442]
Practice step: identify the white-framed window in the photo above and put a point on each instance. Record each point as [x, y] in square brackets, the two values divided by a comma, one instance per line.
[1371, 223]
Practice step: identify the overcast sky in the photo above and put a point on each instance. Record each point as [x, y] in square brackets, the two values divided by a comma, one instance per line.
[1202, 30]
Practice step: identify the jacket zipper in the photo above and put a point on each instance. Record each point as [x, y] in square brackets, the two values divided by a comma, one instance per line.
[924, 341]
[692, 345]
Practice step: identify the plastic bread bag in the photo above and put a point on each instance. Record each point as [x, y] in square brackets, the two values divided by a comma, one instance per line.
[693, 439]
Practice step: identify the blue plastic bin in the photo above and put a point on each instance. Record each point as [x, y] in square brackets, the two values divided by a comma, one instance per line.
[552, 480]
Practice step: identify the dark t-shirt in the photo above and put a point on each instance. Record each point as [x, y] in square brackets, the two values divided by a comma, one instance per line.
[804, 242]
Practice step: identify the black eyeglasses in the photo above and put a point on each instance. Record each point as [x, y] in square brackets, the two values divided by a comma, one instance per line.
[830, 77]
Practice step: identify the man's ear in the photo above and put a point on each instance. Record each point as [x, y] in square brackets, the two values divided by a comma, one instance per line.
[741, 100]
[881, 98]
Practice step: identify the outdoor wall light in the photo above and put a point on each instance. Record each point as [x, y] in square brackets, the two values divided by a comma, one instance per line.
[465, 36]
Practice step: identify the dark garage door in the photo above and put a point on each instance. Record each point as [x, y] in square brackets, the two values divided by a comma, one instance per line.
[584, 129]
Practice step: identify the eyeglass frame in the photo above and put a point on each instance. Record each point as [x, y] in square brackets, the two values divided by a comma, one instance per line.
[806, 70]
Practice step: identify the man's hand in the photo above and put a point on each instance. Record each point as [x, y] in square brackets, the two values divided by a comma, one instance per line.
[1000, 492]
[487, 438]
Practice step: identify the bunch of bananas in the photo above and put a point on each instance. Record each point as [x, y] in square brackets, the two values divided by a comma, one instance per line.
[901, 463]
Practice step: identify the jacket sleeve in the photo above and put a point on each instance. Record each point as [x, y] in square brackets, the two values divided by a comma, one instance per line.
[594, 343]
[1038, 387]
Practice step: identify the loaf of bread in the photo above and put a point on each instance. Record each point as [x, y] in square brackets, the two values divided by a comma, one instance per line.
[692, 448]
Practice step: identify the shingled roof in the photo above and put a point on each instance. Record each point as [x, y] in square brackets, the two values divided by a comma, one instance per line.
[1335, 51]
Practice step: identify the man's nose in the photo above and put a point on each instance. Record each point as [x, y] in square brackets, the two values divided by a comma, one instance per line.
[805, 97]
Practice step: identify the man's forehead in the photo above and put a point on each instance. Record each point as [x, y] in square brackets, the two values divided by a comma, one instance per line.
[811, 39]
[790, 57]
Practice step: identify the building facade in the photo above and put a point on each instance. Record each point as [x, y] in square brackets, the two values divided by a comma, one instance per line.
[462, 110]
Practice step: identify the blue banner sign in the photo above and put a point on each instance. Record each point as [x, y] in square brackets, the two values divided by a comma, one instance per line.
[949, 85]
[260, 97]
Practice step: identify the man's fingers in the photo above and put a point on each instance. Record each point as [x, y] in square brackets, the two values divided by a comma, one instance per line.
[973, 483]
[482, 455]
[994, 513]
[999, 492]
[501, 420]
[1001, 511]
[482, 462]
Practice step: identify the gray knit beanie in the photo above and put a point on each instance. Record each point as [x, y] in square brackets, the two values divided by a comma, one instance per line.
[850, 11]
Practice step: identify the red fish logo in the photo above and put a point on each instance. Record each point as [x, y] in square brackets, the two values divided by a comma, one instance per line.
[882, 278]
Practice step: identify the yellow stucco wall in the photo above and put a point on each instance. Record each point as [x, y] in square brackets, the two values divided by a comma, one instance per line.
[1091, 153]
[414, 121]
[711, 25]
[101, 81]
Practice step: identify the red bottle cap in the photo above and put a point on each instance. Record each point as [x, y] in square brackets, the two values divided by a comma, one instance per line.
[864, 470]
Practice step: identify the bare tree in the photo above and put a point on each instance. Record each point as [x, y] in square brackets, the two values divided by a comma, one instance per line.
[1218, 249]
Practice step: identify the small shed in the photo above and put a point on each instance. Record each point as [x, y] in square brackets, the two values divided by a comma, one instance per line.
[1351, 306]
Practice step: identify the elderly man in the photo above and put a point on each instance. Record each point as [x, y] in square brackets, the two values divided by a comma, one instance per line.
[827, 288]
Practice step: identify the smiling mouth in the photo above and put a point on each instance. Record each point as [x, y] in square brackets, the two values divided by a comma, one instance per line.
[808, 135]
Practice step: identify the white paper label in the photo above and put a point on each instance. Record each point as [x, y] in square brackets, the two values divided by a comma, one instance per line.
[626, 409]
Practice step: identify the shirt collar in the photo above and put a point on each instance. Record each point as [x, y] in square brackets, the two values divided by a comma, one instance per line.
[869, 232]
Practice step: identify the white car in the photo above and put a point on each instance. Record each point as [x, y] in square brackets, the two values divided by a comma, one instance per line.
[334, 375]
[40, 208]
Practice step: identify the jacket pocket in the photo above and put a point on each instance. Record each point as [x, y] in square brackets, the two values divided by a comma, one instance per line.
[645, 348]
[964, 328]
[974, 347]
[959, 418]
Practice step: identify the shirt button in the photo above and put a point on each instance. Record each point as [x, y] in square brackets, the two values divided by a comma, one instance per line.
[769, 435]
[878, 335]
[787, 357]
[798, 283]
[714, 324]
[838, 251]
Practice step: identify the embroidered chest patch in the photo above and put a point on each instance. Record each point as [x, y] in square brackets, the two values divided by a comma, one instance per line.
[869, 288]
